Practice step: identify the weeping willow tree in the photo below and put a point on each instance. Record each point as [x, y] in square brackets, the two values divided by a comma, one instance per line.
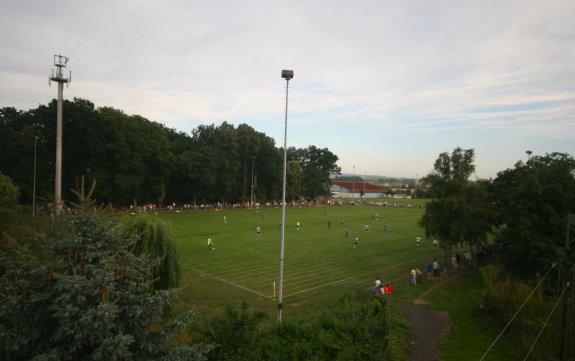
[154, 240]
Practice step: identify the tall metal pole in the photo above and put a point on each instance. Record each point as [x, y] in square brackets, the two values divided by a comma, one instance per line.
[252, 195]
[566, 266]
[364, 178]
[353, 183]
[34, 184]
[287, 75]
[416, 178]
[59, 62]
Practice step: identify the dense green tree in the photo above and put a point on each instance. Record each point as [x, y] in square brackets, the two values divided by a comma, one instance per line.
[293, 180]
[8, 201]
[317, 165]
[83, 295]
[249, 147]
[457, 211]
[184, 150]
[211, 163]
[268, 170]
[153, 240]
[17, 137]
[533, 201]
[136, 160]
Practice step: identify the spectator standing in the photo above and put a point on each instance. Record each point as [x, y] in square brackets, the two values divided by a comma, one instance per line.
[436, 268]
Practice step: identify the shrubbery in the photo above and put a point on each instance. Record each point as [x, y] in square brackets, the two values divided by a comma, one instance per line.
[81, 294]
[504, 295]
[353, 329]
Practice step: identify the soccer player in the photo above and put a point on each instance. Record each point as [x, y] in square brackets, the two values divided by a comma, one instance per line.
[210, 244]
[258, 231]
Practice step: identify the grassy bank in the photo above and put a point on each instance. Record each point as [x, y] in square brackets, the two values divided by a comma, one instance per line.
[471, 331]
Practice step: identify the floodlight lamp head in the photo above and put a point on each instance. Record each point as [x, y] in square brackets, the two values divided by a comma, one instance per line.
[287, 74]
[60, 60]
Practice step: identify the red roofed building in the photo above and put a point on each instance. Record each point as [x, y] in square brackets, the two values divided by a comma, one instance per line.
[355, 189]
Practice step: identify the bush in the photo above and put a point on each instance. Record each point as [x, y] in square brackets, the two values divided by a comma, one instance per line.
[235, 333]
[83, 295]
[352, 329]
[503, 296]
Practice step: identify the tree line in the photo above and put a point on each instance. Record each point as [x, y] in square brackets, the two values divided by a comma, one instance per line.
[138, 161]
[522, 223]
[521, 215]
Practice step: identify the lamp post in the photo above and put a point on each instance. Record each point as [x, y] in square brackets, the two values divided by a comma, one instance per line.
[34, 183]
[287, 75]
[528, 154]
[353, 183]
[364, 178]
[60, 63]
[252, 194]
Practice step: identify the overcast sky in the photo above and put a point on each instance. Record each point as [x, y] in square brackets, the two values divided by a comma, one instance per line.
[385, 85]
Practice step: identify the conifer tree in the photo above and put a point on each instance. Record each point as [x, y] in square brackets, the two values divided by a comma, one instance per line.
[81, 294]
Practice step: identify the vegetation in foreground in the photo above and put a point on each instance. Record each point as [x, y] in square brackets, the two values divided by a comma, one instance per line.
[363, 327]
[518, 221]
[81, 294]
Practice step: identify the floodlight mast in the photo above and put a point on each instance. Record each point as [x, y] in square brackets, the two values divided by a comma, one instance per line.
[60, 62]
[287, 75]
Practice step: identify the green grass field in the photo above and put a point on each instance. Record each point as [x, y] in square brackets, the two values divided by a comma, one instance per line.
[320, 263]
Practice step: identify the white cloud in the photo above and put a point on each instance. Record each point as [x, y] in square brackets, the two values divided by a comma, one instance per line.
[387, 82]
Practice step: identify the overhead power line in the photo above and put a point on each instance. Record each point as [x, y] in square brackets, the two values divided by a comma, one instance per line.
[546, 321]
[517, 312]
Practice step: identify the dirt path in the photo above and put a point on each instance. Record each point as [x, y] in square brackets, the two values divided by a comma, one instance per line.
[427, 326]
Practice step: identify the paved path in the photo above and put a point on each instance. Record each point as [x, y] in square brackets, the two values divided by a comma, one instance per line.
[427, 325]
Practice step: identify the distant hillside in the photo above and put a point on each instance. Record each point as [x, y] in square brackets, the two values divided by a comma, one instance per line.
[391, 182]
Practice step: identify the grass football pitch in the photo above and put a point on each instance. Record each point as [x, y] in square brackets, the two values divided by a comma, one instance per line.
[320, 262]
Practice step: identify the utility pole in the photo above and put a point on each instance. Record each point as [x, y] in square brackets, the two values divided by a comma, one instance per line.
[60, 62]
[364, 178]
[34, 184]
[353, 184]
[566, 277]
